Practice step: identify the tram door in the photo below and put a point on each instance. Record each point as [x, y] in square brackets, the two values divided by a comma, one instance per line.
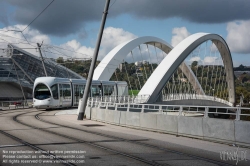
[76, 95]
[66, 95]
[61, 95]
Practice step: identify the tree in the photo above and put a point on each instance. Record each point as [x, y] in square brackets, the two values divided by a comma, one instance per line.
[60, 60]
[194, 63]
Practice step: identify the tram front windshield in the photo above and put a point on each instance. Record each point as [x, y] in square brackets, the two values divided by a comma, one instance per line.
[41, 92]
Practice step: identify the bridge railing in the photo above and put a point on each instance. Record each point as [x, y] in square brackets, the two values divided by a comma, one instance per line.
[186, 96]
[236, 113]
[15, 104]
[120, 99]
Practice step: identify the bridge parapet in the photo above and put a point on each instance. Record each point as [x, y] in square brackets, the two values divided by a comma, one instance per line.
[120, 99]
[186, 96]
[180, 120]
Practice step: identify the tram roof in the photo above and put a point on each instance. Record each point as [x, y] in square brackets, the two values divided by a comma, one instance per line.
[81, 81]
[121, 83]
[51, 80]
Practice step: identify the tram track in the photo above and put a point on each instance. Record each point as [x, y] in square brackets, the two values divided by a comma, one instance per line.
[4, 112]
[134, 142]
[153, 163]
[43, 151]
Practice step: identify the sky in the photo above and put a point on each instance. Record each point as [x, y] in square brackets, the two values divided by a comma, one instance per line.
[70, 27]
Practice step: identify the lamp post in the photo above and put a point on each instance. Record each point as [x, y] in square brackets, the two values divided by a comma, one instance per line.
[39, 48]
[83, 104]
[213, 93]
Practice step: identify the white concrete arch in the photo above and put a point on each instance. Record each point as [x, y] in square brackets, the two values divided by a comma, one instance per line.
[110, 62]
[167, 67]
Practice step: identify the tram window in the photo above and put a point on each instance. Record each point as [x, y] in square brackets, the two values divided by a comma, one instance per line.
[54, 89]
[122, 90]
[41, 92]
[108, 90]
[76, 90]
[61, 90]
[95, 90]
[81, 89]
[66, 91]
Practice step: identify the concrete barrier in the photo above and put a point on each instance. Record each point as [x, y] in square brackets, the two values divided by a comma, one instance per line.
[167, 123]
[100, 114]
[190, 126]
[148, 121]
[133, 119]
[123, 118]
[221, 129]
[242, 132]
[109, 116]
[94, 113]
[88, 112]
[230, 131]
[117, 117]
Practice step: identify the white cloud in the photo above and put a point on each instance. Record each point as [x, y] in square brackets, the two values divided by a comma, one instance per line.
[10, 34]
[74, 49]
[179, 34]
[238, 37]
[111, 38]
[213, 48]
[211, 60]
[195, 59]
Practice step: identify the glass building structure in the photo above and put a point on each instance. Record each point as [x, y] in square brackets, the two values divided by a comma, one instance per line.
[19, 69]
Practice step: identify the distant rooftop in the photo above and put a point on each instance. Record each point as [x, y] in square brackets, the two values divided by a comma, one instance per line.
[18, 63]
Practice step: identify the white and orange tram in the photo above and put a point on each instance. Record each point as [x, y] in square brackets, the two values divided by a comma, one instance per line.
[53, 92]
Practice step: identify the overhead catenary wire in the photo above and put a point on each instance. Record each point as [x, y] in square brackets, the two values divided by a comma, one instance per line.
[150, 61]
[28, 42]
[136, 71]
[128, 78]
[143, 66]
[112, 4]
[215, 81]
[38, 15]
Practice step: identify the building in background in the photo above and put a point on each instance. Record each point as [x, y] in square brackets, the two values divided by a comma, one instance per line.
[19, 69]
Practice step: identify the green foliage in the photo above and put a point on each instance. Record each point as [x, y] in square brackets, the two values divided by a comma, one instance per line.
[80, 67]
[213, 77]
[133, 92]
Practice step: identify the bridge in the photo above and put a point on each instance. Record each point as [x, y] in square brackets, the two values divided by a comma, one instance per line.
[190, 92]
[183, 74]
[187, 92]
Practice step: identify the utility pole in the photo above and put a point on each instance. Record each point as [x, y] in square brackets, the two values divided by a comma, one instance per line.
[39, 48]
[82, 105]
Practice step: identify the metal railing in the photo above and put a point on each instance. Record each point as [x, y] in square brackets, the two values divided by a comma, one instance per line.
[187, 96]
[235, 113]
[120, 99]
[15, 104]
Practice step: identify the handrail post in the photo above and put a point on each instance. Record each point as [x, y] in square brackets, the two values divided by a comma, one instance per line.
[160, 109]
[206, 112]
[99, 104]
[128, 107]
[107, 105]
[92, 102]
[115, 106]
[180, 110]
[238, 112]
[142, 108]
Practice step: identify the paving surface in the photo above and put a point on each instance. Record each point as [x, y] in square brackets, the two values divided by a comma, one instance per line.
[94, 143]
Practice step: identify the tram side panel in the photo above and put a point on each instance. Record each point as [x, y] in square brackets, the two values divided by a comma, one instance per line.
[65, 95]
[53, 92]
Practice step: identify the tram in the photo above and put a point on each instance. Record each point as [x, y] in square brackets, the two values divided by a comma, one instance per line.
[54, 92]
